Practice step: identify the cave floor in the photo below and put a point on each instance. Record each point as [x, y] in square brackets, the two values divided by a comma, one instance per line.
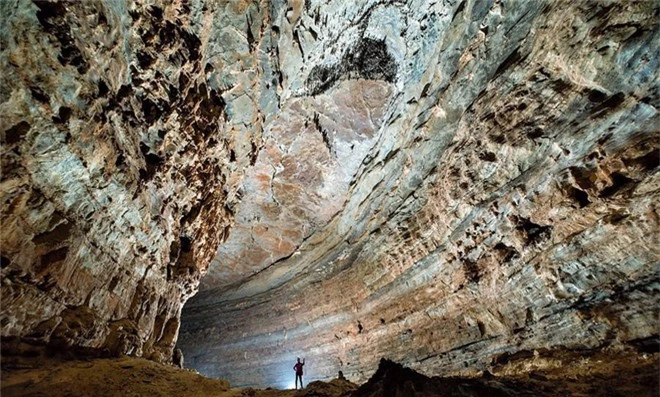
[124, 376]
[618, 372]
[622, 373]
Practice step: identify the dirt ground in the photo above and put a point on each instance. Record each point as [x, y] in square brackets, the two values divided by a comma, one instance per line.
[566, 373]
[614, 372]
[130, 377]
[108, 377]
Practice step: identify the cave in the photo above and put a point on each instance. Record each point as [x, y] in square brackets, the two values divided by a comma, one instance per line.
[415, 197]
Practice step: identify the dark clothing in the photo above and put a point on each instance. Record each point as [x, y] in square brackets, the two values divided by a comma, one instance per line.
[299, 372]
[177, 358]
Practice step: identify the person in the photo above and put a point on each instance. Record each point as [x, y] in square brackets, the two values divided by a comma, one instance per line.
[299, 372]
[177, 357]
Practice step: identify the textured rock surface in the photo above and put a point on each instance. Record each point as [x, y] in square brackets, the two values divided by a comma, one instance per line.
[583, 379]
[117, 157]
[508, 201]
[443, 183]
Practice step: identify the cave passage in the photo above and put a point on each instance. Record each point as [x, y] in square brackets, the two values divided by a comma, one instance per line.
[426, 197]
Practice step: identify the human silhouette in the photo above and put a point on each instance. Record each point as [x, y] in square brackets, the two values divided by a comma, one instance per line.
[299, 372]
[177, 357]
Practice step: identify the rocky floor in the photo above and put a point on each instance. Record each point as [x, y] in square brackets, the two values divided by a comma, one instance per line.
[108, 377]
[592, 373]
[565, 373]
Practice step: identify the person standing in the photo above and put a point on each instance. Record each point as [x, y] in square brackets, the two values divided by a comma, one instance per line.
[299, 372]
[177, 357]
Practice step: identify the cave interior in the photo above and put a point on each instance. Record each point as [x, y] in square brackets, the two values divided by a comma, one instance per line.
[428, 197]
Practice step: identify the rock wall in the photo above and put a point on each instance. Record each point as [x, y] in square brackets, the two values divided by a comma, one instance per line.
[121, 141]
[443, 183]
[501, 195]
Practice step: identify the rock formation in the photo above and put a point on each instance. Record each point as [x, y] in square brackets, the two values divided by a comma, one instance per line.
[116, 161]
[440, 182]
[392, 379]
[507, 201]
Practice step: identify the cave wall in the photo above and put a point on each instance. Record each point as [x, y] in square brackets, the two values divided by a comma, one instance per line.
[442, 183]
[121, 141]
[507, 202]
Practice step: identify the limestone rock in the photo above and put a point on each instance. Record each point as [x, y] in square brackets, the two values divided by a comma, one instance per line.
[119, 154]
[392, 379]
[507, 201]
[441, 182]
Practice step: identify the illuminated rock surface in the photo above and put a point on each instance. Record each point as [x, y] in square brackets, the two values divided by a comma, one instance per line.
[442, 183]
[508, 201]
[115, 174]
